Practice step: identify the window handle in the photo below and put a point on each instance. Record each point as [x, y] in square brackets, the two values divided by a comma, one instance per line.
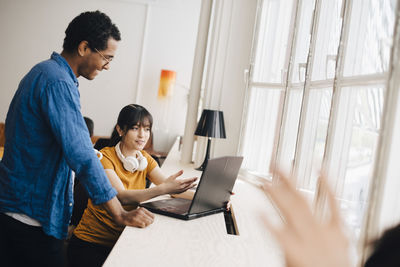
[329, 58]
[302, 75]
[246, 73]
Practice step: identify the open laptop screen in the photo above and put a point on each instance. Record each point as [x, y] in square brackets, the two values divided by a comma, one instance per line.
[216, 184]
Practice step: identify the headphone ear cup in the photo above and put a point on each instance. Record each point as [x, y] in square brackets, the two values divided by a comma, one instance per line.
[142, 162]
[131, 164]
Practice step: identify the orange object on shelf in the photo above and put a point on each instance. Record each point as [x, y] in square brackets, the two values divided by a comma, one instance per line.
[167, 82]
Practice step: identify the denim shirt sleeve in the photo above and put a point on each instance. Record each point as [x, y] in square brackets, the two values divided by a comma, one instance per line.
[61, 108]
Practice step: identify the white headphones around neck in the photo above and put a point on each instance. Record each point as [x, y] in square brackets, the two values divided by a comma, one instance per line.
[132, 163]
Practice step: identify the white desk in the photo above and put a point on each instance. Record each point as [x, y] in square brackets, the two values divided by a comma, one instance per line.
[203, 241]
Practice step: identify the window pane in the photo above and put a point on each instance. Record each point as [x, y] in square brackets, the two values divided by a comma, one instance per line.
[370, 37]
[288, 136]
[366, 123]
[302, 41]
[272, 43]
[327, 42]
[314, 139]
[261, 129]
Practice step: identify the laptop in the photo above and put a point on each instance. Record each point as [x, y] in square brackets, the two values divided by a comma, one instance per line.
[212, 194]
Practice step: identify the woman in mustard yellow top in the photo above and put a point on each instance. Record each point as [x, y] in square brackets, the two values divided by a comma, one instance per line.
[127, 165]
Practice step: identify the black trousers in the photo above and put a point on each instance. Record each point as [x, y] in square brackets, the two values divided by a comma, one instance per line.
[25, 245]
[86, 254]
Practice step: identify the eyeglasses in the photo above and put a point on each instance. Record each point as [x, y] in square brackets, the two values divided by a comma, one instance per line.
[108, 60]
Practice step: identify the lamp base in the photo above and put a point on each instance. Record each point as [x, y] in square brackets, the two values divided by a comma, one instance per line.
[204, 164]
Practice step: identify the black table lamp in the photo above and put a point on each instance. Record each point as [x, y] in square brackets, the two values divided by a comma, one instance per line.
[211, 125]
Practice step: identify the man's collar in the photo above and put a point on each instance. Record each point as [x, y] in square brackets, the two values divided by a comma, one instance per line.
[60, 60]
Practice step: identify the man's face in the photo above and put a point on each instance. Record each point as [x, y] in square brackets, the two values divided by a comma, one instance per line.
[97, 60]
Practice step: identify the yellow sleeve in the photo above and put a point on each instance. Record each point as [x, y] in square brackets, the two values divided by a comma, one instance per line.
[107, 161]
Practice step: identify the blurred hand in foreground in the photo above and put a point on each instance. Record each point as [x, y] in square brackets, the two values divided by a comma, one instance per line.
[305, 240]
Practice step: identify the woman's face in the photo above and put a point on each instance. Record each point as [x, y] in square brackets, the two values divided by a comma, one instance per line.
[136, 137]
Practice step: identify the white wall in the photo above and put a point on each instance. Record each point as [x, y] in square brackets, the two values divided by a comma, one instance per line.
[170, 44]
[232, 97]
[32, 29]
[156, 34]
[229, 55]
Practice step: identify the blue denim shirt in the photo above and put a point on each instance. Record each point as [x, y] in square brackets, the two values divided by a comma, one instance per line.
[46, 137]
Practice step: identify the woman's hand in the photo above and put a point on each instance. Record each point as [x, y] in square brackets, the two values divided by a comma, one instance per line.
[172, 185]
[305, 240]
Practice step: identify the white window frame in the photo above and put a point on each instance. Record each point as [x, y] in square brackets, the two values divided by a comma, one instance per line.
[333, 165]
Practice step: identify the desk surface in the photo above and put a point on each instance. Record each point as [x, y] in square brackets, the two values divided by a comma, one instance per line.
[203, 241]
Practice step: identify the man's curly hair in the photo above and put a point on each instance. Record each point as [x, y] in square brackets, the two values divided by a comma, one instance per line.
[94, 27]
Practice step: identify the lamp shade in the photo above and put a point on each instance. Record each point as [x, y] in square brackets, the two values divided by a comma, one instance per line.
[211, 124]
[167, 82]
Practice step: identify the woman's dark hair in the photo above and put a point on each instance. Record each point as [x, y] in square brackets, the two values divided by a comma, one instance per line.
[386, 250]
[94, 27]
[90, 125]
[128, 117]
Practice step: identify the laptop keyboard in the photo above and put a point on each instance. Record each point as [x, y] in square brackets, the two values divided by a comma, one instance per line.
[179, 209]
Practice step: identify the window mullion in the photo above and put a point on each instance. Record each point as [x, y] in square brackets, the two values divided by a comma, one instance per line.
[360, 80]
[267, 85]
[283, 116]
[327, 166]
[304, 137]
[333, 125]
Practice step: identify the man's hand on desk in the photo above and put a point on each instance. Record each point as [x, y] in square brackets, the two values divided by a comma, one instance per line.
[140, 217]
[172, 185]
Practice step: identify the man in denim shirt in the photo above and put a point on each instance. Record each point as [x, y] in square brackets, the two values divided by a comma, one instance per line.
[46, 138]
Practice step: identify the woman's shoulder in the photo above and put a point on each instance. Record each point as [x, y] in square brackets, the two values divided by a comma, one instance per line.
[109, 152]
